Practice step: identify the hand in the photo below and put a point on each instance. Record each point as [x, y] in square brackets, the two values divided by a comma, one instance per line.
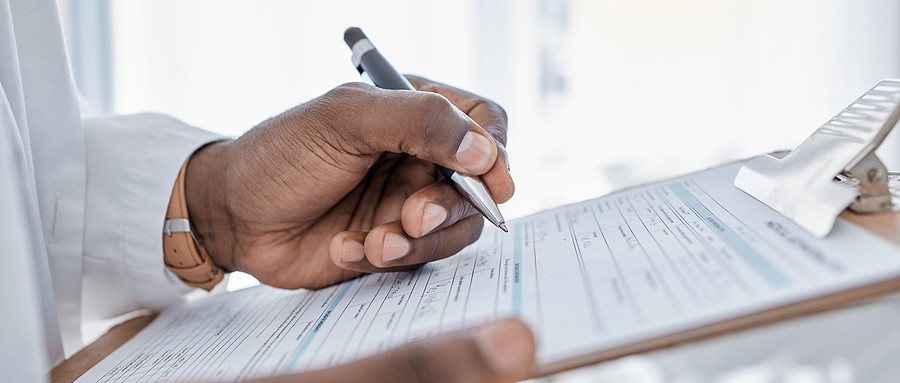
[345, 184]
[497, 352]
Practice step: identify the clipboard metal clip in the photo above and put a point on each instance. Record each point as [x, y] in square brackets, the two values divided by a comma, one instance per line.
[834, 168]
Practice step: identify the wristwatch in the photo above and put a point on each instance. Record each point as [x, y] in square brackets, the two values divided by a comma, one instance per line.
[184, 255]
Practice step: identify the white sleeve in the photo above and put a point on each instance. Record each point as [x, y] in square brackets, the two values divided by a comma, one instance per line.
[132, 163]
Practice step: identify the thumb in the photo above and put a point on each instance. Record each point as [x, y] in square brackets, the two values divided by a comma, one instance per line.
[424, 124]
[496, 352]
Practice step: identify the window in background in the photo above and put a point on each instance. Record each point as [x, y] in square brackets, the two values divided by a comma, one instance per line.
[86, 24]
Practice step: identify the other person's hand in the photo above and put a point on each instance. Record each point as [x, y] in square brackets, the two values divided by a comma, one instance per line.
[497, 352]
[345, 184]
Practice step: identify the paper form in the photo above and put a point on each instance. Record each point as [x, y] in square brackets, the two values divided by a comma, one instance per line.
[606, 272]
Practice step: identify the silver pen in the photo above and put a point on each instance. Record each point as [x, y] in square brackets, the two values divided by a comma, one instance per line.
[370, 63]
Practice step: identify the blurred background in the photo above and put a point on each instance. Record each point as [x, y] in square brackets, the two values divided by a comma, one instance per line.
[601, 94]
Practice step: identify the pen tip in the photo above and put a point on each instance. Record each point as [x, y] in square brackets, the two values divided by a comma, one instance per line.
[503, 226]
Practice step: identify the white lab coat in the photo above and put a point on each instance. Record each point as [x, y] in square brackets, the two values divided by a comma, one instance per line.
[82, 200]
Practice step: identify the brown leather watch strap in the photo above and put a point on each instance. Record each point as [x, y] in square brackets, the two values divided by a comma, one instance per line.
[184, 254]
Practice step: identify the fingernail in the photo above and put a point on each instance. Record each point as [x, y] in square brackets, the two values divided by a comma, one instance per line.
[353, 251]
[504, 347]
[433, 216]
[474, 152]
[395, 246]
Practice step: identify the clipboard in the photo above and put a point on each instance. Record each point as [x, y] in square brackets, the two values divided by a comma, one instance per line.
[834, 172]
[885, 224]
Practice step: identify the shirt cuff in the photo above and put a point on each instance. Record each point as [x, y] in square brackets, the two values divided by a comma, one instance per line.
[132, 164]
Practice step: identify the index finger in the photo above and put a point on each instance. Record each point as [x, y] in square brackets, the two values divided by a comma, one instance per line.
[492, 118]
[486, 113]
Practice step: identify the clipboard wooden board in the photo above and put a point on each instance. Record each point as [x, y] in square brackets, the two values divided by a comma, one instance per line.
[886, 225]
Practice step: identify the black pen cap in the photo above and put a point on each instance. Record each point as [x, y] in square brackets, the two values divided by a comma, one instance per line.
[369, 60]
[352, 35]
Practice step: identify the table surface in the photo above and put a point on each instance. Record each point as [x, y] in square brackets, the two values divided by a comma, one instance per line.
[886, 225]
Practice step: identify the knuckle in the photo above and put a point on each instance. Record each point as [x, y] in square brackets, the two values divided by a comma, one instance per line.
[345, 94]
[498, 110]
[433, 114]
[328, 105]
[434, 103]
[352, 87]
[498, 122]
[330, 111]
[493, 107]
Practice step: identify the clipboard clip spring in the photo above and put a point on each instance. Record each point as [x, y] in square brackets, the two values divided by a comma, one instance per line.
[877, 186]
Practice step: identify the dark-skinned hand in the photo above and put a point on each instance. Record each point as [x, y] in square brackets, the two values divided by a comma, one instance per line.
[345, 184]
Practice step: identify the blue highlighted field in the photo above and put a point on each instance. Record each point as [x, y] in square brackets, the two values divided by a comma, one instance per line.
[319, 323]
[749, 254]
[517, 270]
